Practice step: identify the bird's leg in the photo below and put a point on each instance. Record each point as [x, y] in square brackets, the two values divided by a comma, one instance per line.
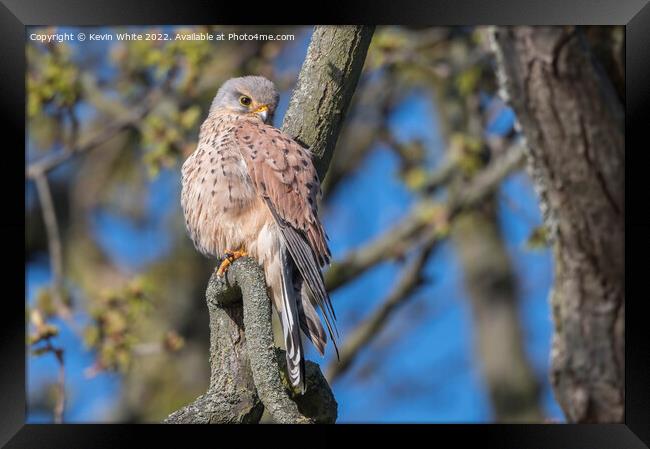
[230, 257]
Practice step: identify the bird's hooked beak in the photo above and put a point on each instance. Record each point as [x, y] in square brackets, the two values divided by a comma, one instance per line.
[262, 111]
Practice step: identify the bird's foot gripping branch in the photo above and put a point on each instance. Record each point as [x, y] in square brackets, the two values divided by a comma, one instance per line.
[247, 371]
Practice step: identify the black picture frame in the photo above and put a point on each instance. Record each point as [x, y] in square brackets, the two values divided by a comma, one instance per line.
[15, 15]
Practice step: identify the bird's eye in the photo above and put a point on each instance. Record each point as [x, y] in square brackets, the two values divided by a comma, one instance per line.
[246, 101]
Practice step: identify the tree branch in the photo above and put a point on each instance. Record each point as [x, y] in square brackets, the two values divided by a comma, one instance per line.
[392, 244]
[397, 241]
[231, 396]
[492, 290]
[326, 83]
[53, 241]
[45, 164]
[267, 372]
[246, 374]
[59, 406]
[410, 281]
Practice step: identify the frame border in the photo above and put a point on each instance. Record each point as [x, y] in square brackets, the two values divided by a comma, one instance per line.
[15, 15]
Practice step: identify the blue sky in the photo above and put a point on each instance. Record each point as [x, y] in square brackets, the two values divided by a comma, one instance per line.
[426, 370]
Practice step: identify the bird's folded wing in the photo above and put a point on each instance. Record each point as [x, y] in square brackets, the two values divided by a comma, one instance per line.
[284, 175]
[283, 172]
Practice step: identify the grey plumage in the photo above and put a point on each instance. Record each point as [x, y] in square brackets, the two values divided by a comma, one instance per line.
[227, 97]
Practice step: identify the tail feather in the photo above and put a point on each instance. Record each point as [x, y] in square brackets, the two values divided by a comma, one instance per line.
[290, 318]
[305, 261]
[309, 319]
[313, 278]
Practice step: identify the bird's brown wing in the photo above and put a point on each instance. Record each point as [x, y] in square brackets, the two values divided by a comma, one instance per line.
[283, 172]
[284, 175]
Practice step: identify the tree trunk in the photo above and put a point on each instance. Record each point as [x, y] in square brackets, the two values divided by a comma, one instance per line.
[573, 122]
[492, 290]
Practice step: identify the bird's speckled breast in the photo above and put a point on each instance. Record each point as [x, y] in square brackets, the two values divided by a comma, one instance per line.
[217, 194]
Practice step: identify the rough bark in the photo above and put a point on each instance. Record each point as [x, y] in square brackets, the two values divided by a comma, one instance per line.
[247, 371]
[326, 83]
[573, 122]
[231, 396]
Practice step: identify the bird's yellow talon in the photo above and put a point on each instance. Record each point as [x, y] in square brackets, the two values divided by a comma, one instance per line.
[230, 257]
[223, 267]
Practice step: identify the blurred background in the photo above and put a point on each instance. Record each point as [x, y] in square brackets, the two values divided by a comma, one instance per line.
[444, 316]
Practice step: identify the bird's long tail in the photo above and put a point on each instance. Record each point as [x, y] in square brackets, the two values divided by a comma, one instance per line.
[313, 288]
[290, 319]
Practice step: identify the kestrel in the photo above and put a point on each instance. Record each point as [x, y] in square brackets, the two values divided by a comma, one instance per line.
[249, 189]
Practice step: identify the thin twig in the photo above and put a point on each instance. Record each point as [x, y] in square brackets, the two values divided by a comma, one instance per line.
[487, 180]
[53, 242]
[45, 164]
[409, 282]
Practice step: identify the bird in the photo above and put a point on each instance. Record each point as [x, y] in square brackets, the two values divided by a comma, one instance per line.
[249, 189]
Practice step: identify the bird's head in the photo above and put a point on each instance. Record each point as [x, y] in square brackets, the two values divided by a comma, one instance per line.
[248, 95]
